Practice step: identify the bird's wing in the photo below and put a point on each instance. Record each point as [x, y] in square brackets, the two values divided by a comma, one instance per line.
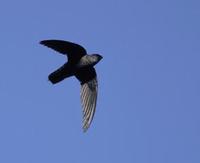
[61, 73]
[89, 99]
[72, 50]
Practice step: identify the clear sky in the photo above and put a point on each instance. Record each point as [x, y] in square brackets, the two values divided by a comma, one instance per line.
[149, 82]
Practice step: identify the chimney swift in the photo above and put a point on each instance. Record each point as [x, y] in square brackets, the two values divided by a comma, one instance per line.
[81, 65]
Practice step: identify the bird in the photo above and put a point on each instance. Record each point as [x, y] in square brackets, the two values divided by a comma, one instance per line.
[81, 65]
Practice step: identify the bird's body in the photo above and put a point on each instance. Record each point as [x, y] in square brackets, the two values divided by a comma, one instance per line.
[80, 65]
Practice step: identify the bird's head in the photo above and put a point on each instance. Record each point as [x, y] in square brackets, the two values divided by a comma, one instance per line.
[96, 58]
[89, 60]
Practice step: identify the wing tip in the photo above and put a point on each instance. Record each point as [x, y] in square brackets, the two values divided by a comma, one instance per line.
[42, 42]
[84, 130]
[85, 127]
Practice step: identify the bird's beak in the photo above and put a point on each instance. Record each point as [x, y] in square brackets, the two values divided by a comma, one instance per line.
[100, 57]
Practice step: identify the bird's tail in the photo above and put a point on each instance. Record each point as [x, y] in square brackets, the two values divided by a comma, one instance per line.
[61, 73]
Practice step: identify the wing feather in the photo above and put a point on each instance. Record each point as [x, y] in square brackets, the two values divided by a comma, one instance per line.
[73, 51]
[89, 92]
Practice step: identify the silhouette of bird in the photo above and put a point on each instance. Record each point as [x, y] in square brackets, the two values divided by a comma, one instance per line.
[80, 65]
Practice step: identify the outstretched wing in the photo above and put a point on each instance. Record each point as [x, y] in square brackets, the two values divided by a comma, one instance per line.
[89, 99]
[61, 73]
[72, 50]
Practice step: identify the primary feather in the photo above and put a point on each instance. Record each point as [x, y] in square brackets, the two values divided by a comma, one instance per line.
[89, 92]
[73, 51]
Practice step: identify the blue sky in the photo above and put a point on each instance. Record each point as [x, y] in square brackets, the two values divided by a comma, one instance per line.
[149, 82]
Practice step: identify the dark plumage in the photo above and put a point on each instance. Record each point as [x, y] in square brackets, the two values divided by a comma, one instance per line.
[80, 65]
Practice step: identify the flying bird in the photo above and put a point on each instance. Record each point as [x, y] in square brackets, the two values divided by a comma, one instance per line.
[81, 65]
